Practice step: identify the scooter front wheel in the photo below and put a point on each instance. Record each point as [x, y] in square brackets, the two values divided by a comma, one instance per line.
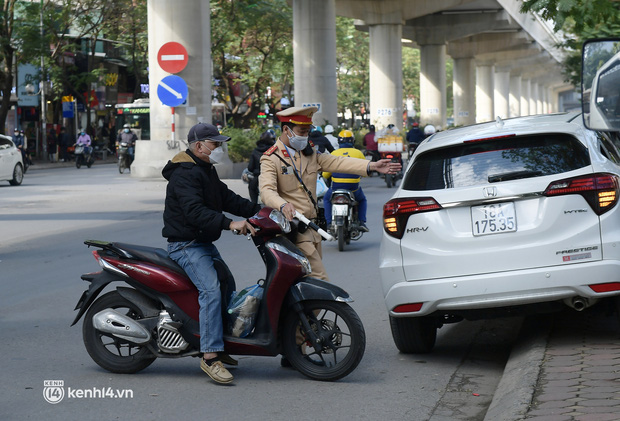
[110, 352]
[340, 334]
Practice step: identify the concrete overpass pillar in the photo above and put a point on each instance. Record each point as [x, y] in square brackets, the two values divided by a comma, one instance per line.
[386, 76]
[190, 26]
[433, 85]
[464, 91]
[514, 100]
[537, 99]
[484, 92]
[314, 57]
[533, 97]
[501, 92]
[525, 96]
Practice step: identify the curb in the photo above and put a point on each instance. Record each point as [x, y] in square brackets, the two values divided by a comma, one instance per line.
[514, 393]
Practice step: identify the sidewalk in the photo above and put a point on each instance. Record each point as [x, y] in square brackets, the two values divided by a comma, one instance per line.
[44, 164]
[566, 367]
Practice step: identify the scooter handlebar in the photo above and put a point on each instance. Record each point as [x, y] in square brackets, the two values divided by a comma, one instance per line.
[314, 226]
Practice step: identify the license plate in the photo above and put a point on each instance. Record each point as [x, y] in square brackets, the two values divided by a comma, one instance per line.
[340, 210]
[493, 219]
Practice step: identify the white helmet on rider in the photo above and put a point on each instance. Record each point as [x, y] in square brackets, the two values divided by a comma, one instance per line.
[429, 130]
[329, 129]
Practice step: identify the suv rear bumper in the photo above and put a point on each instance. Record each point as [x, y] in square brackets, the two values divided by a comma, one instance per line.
[500, 289]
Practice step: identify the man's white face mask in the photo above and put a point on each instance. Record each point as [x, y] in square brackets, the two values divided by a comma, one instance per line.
[217, 155]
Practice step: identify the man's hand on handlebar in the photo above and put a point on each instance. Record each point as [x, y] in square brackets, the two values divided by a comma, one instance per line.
[242, 228]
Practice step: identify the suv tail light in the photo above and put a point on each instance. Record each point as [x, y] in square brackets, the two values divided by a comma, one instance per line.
[396, 213]
[600, 190]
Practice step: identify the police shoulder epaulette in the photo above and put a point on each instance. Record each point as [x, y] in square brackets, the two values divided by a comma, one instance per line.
[271, 150]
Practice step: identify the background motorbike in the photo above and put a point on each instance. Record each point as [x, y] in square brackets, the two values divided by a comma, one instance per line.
[124, 159]
[390, 179]
[345, 217]
[305, 319]
[83, 156]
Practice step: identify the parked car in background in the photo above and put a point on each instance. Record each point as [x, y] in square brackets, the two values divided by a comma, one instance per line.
[504, 218]
[11, 165]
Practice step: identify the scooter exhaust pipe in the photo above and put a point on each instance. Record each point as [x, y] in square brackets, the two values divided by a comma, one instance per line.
[123, 327]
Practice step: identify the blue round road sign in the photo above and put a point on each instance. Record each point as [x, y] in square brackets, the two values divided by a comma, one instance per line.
[172, 91]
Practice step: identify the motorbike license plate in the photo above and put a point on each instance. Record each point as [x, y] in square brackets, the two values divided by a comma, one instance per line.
[340, 210]
[493, 219]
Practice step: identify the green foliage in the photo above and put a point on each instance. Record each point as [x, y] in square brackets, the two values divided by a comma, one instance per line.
[585, 14]
[242, 142]
[411, 75]
[580, 20]
[351, 66]
[251, 48]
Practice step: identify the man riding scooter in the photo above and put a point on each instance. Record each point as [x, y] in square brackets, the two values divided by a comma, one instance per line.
[346, 181]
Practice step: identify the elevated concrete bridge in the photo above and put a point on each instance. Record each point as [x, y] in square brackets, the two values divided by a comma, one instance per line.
[505, 63]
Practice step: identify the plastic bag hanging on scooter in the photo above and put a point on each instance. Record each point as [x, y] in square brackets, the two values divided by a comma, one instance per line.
[242, 310]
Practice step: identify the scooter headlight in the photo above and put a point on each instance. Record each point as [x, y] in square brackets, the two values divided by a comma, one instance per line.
[303, 260]
[279, 218]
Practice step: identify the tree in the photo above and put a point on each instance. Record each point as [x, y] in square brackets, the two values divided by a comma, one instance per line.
[352, 52]
[580, 20]
[251, 48]
[411, 76]
[7, 51]
[129, 28]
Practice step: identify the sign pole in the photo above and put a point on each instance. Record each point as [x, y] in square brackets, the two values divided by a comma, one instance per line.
[172, 108]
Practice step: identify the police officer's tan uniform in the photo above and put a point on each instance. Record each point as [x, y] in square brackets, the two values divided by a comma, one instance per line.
[279, 185]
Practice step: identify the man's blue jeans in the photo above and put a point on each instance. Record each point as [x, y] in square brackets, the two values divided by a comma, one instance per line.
[197, 259]
[359, 196]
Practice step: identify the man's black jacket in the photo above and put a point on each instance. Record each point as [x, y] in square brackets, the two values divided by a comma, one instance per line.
[196, 200]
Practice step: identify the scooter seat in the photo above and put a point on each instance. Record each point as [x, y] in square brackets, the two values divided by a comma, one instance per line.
[154, 255]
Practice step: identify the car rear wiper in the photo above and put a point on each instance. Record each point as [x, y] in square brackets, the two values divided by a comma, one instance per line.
[515, 175]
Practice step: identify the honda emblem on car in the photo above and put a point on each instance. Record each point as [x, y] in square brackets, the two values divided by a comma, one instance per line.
[490, 191]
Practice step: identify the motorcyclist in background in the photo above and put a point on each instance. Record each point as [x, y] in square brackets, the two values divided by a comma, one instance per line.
[429, 130]
[370, 143]
[346, 181]
[128, 136]
[329, 129]
[321, 142]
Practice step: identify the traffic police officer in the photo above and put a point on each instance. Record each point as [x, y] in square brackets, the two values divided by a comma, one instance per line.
[289, 171]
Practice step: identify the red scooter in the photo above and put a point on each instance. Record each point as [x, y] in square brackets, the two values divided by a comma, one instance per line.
[155, 315]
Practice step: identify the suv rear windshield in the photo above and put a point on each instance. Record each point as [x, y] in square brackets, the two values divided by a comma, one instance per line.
[496, 160]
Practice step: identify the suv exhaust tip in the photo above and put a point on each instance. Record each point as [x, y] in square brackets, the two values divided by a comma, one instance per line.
[579, 303]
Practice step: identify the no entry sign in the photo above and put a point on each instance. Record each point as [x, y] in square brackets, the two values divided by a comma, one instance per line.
[172, 57]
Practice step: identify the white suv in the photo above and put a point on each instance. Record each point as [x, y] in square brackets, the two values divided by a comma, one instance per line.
[503, 218]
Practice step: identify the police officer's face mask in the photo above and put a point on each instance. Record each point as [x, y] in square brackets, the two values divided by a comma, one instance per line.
[298, 143]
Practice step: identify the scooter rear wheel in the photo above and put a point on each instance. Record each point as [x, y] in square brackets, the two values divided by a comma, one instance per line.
[109, 352]
[342, 336]
[341, 239]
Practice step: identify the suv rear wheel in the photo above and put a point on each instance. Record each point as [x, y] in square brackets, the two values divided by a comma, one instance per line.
[414, 335]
